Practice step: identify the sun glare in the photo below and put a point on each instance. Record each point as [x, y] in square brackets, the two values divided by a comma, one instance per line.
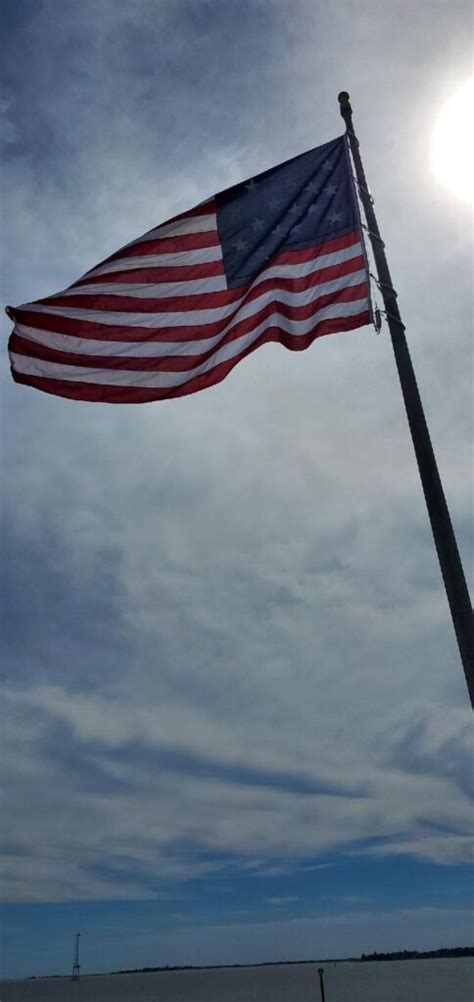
[453, 143]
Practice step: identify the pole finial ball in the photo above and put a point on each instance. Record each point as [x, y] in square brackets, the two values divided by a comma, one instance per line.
[343, 97]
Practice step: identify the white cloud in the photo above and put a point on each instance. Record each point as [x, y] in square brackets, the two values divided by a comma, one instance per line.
[285, 899]
[133, 786]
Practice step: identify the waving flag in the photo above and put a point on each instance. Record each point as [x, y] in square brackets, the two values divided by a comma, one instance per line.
[277, 258]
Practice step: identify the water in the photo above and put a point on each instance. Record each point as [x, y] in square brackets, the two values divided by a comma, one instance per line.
[379, 981]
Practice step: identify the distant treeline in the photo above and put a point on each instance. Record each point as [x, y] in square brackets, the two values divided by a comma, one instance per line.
[456, 951]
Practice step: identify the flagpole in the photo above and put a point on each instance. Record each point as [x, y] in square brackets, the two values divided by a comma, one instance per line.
[443, 533]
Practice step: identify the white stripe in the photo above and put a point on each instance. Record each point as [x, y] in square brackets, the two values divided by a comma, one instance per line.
[133, 349]
[204, 317]
[179, 228]
[175, 228]
[216, 283]
[195, 287]
[202, 255]
[121, 377]
[317, 263]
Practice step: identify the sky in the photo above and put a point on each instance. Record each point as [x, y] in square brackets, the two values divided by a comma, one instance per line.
[235, 724]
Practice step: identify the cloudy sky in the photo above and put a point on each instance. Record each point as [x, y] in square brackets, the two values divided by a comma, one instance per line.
[236, 727]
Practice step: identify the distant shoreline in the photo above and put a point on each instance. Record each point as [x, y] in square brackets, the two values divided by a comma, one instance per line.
[442, 954]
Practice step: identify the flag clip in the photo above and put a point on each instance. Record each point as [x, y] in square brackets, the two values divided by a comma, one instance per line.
[377, 321]
[394, 319]
[366, 192]
[372, 235]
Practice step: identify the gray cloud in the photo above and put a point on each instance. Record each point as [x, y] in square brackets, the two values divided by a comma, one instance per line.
[226, 625]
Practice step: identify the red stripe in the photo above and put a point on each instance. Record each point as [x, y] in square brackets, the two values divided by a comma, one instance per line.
[110, 302]
[170, 245]
[164, 245]
[299, 255]
[195, 241]
[106, 332]
[205, 300]
[177, 363]
[201, 210]
[135, 395]
[180, 273]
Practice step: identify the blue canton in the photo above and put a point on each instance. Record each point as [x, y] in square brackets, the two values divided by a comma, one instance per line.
[300, 203]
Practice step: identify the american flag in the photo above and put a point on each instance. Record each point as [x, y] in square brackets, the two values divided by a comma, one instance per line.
[277, 258]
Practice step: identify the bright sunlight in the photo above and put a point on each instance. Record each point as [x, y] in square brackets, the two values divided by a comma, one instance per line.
[453, 143]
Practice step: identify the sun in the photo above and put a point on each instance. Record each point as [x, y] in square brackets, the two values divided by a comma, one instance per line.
[453, 143]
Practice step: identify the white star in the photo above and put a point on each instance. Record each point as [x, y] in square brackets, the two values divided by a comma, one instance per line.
[295, 228]
[257, 225]
[335, 217]
[293, 210]
[327, 165]
[241, 245]
[311, 187]
[277, 229]
[312, 209]
[274, 203]
[251, 186]
[330, 189]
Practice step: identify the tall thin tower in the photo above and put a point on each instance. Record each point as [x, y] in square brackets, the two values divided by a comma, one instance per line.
[76, 967]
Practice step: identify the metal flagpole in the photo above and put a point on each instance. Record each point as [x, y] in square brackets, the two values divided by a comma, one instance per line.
[445, 540]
